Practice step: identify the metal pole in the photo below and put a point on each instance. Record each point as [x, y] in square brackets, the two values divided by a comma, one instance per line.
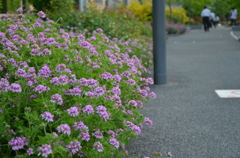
[159, 42]
[80, 3]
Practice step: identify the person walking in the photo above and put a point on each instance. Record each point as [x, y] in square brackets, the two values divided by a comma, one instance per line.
[233, 16]
[213, 19]
[205, 17]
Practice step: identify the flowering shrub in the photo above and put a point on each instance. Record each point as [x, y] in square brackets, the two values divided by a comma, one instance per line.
[115, 23]
[66, 95]
[142, 10]
[179, 15]
[173, 28]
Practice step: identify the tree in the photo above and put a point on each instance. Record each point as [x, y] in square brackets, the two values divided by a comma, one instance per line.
[194, 7]
[170, 3]
[41, 5]
[52, 5]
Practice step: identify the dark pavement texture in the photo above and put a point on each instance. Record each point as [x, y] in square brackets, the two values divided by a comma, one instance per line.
[190, 120]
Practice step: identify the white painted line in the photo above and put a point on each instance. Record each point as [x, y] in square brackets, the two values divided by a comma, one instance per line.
[234, 36]
[230, 93]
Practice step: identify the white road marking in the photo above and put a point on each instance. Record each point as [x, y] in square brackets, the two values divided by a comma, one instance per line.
[234, 36]
[229, 93]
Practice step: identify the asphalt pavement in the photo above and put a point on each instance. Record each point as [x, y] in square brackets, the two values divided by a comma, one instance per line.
[190, 119]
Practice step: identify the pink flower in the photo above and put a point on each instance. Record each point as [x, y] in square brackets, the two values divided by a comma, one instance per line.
[18, 143]
[80, 125]
[47, 116]
[150, 80]
[44, 150]
[114, 142]
[19, 10]
[98, 146]
[101, 109]
[30, 151]
[106, 75]
[98, 134]
[61, 68]
[21, 72]
[57, 98]
[44, 71]
[73, 111]
[92, 83]
[169, 154]
[99, 91]
[41, 88]
[84, 136]
[99, 30]
[64, 128]
[133, 103]
[148, 121]
[63, 80]
[41, 14]
[74, 146]
[88, 109]
[131, 82]
[116, 90]
[15, 87]
[112, 133]
[153, 95]
[55, 134]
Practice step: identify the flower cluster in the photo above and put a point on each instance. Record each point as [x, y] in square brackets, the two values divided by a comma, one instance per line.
[75, 92]
[18, 143]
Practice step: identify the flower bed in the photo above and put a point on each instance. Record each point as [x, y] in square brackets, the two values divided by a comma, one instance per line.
[173, 28]
[65, 95]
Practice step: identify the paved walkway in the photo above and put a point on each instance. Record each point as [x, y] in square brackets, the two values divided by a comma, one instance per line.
[190, 120]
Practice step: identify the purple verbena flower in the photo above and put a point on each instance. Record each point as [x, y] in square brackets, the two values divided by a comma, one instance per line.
[57, 98]
[153, 95]
[61, 68]
[73, 111]
[74, 146]
[131, 82]
[98, 146]
[133, 103]
[41, 14]
[84, 136]
[148, 121]
[44, 150]
[15, 87]
[88, 109]
[98, 134]
[80, 125]
[30, 151]
[18, 143]
[114, 142]
[64, 128]
[47, 116]
[41, 88]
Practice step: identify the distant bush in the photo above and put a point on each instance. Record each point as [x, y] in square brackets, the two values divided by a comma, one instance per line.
[178, 16]
[115, 23]
[173, 28]
[142, 10]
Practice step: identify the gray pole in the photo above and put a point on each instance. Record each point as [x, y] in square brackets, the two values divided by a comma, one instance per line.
[80, 3]
[159, 42]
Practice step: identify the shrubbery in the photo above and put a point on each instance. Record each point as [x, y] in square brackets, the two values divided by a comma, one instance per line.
[64, 94]
[115, 23]
[178, 16]
[173, 28]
